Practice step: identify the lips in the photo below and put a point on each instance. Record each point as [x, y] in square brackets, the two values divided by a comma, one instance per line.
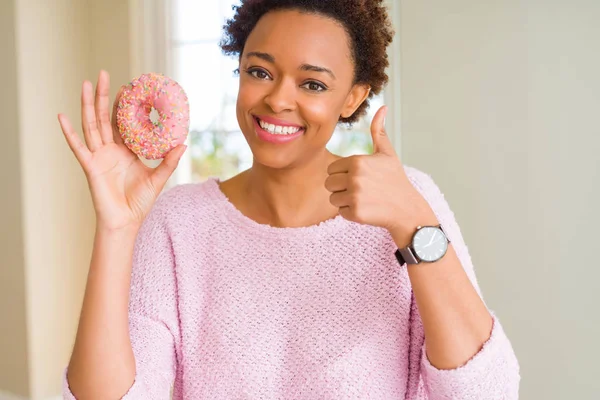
[272, 135]
[275, 121]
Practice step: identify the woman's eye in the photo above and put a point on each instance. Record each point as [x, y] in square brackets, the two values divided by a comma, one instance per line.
[315, 87]
[258, 74]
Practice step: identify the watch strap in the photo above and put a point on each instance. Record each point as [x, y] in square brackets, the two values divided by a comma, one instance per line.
[406, 255]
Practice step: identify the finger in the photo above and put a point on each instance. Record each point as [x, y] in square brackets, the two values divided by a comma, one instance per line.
[340, 199]
[337, 182]
[340, 166]
[102, 107]
[79, 149]
[162, 173]
[88, 118]
[115, 128]
[345, 213]
[381, 141]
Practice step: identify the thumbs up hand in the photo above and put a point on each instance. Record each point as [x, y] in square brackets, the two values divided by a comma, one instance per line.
[374, 189]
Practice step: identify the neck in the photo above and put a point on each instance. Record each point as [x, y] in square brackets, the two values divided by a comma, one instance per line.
[291, 197]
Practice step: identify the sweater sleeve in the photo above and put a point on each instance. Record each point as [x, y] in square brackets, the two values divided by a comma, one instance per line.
[492, 373]
[153, 317]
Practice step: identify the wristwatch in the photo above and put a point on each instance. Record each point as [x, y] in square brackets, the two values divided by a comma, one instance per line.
[429, 244]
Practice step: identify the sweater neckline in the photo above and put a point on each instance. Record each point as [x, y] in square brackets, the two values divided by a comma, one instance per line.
[241, 220]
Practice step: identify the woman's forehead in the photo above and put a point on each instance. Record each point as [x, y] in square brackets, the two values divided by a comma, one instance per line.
[300, 38]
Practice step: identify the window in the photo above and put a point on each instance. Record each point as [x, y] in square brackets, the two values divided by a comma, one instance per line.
[216, 145]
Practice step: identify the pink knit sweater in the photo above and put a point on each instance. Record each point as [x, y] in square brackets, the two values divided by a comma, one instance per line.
[225, 308]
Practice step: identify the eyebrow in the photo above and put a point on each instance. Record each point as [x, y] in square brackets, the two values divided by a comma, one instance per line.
[263, 56]
[308, 67]
[304, 67]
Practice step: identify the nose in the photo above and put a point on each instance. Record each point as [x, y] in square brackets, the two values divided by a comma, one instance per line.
[282, 97]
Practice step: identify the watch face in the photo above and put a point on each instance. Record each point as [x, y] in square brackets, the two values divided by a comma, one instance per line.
[430, 244]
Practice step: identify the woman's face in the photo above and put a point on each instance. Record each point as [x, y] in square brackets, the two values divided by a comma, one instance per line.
[296, 80]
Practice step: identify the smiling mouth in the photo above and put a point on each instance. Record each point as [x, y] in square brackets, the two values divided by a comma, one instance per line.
[278, 129]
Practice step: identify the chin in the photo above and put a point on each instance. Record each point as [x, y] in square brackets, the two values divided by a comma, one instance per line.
[273, 159]
[269, 155]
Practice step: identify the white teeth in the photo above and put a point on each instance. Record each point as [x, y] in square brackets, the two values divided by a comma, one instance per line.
[278, 130]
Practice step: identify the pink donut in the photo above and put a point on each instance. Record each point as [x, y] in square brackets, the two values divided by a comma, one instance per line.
[153, 115]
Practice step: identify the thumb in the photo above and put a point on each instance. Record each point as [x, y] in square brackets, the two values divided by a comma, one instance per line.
[381, 141]
[166, 168]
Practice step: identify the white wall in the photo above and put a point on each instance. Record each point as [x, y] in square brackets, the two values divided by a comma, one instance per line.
[14, 374]
[46, 212]
[500, 103]
[52, 61]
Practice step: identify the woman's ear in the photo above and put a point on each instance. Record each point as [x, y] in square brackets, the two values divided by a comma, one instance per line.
[358, 94]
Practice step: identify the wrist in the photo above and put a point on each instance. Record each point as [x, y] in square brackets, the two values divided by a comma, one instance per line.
[404, 230]
[125, 231]
[113, 250]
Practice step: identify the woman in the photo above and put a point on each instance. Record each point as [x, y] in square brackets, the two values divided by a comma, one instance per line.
[289, 280]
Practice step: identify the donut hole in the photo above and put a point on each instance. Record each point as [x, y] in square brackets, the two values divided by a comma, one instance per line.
[154, 116]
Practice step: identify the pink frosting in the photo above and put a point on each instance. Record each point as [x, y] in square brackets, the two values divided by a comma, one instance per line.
[153, 138]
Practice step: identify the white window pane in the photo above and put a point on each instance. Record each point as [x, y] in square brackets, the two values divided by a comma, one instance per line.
[208, 79]
[356, 140]
[197, 20]
[227, 7]
[218, 153]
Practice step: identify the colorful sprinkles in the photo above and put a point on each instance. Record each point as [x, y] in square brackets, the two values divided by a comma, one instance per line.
[149, 139]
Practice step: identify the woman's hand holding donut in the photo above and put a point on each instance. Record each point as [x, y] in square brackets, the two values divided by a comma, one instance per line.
[123, 188]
